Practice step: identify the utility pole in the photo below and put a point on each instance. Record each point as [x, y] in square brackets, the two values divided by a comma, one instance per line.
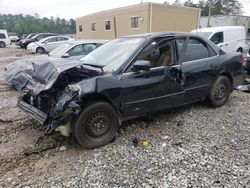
[210, 6]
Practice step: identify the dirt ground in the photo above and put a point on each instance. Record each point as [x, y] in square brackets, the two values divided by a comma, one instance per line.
[192, 146]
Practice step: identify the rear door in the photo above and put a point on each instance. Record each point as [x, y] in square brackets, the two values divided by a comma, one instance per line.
[156, 89]
[200, 65]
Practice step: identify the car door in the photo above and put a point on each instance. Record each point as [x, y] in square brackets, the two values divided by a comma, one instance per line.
[49, 43]
[156, 89]
[200, 65]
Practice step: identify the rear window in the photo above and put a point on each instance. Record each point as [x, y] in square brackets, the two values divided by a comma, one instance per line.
[2, 36]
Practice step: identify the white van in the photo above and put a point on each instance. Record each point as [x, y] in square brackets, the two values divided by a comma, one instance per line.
[228, 38]
[4, 38]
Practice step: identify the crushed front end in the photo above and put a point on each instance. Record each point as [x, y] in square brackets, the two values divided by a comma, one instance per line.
[50, 109]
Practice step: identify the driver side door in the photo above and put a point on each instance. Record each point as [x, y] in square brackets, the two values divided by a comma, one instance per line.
[156, 89]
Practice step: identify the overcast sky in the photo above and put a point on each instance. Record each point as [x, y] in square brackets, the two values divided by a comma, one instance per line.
[74, 8]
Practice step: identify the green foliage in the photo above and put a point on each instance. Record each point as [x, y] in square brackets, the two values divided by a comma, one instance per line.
[33, 24]
[220, 7]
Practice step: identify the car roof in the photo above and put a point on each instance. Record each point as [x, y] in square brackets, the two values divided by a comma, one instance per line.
[43, 39]
[87, 41]
[160, 34]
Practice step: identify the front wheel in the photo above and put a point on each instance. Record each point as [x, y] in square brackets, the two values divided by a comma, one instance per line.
[96, 126]
[40, 50]
[2, 44]
[220, 92]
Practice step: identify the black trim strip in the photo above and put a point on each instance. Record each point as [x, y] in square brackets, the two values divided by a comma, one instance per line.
[144, 100]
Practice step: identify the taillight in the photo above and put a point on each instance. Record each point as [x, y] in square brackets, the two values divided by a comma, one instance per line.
[244, 60]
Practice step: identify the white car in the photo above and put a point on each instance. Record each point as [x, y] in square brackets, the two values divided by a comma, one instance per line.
[228, 38]
[4, 39]
[48, 44]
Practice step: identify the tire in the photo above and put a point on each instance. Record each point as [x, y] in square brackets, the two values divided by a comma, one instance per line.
[220, 92]
[2, 44]
[40, 50]
[96, 126]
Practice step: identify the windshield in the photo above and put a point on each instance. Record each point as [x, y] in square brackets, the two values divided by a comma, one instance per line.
[58, 52]
[205, 34]
[113, 54]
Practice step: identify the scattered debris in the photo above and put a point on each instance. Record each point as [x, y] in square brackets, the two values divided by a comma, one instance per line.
[62, 148]
[145, 143]
[5, 121]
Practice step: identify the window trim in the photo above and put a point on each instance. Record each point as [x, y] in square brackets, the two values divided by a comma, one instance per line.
[105, 25]
[138, 22]
[91, 26]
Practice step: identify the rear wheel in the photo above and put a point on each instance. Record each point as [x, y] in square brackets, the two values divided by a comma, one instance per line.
[2, 44]
[96, 126]
[220, 91]
[40, 50]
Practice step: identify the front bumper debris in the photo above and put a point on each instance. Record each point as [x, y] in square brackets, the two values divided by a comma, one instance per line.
[32, 111]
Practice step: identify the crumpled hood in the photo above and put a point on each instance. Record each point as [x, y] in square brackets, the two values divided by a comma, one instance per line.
[37, 74]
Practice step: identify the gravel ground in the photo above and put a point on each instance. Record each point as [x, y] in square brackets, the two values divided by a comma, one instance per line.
[191, 146]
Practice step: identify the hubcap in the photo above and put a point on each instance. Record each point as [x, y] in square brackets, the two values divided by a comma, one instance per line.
[220, 91]
[97, 124]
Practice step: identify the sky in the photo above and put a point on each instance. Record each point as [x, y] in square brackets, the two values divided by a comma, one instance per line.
[75, 8]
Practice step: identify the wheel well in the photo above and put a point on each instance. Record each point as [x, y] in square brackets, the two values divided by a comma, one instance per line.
[229, 77]
[94, 97]
[240, 49]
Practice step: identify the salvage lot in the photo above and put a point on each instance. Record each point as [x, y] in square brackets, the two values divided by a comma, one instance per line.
[189, 146]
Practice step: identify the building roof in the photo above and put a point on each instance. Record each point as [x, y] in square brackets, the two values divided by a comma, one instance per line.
[137, 5]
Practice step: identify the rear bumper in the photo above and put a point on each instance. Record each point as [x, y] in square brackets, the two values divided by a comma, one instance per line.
[32, 111]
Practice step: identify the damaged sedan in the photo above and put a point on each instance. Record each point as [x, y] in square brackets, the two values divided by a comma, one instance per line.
[127, 78]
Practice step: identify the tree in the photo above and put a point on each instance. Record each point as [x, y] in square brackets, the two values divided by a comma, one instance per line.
[34, 24]
[217, 7]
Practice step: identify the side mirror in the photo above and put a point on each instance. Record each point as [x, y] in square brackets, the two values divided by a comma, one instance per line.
[66, 55]
[141, 65]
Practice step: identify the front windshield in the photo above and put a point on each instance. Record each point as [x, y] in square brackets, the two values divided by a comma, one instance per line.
[205, 34]
[58, 52]
[113, 54]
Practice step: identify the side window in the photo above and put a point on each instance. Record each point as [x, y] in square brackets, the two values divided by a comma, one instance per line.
[61, 38]
[2, 36]
[196, 49]
[159, 53]
[81, 49]
[54, 39]
[179, 46]
[217, 38]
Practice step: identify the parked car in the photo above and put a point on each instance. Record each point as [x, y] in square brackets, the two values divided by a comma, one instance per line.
[29, 36]
[126, 78]
[14, 38]
[76, 49]
[24, 42]
[16, 72]
[4, 39]
[228, 38]
[47, 44]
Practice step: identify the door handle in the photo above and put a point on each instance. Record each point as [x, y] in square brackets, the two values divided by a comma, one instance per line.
[226, 44]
